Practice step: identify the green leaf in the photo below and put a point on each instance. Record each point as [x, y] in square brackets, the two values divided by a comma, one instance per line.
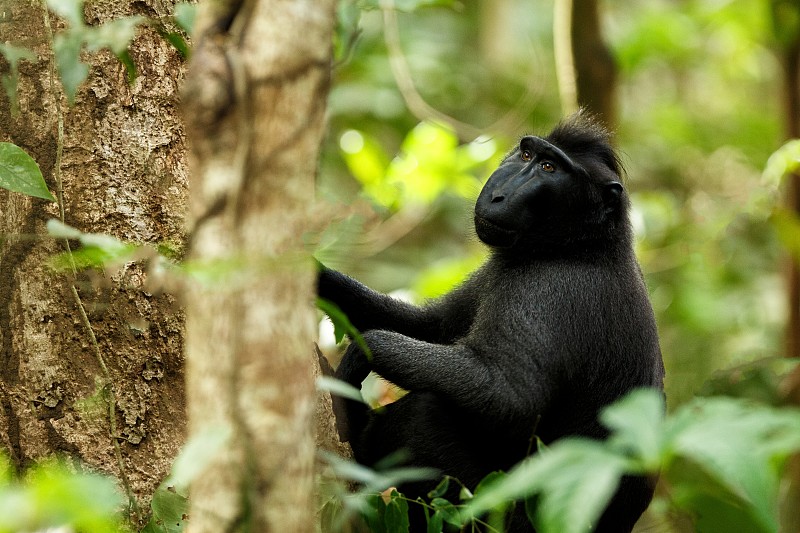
[577, 484]
[52, 496]
[337, 243]
[435, 523]
[575, 480]
[342, 325]
[20, 173]
[98, 249]
[396, 515]
[374, 514]
[697, 493]
[373, 480]
[636, 421]
[116, 35]
[740, 444]
[487, 482]
[447, 511]
[783, 161]
[177, 40]
[185, 14]
[70, 10]
[170, 510]
[339, 388]
[195, 456]
[14, 54]
[72, 70]
[441, 488]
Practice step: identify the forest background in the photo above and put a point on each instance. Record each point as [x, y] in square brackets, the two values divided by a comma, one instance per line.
[424, 101]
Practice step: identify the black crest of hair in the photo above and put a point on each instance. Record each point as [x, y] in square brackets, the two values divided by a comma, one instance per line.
[553, 327]
[583, 135]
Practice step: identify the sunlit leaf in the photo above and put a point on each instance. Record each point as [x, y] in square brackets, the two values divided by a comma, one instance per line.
[51, 495]
[442, 277]
[783, 161]
[338, 241]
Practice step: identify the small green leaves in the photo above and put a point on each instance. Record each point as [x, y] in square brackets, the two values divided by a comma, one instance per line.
[98, 249]
[51, 496]
[170, 511]
[115, 35]
[13, 54]
[185, 14]
[575, 479]
[430, 162]
[198, 452]
[20, 173]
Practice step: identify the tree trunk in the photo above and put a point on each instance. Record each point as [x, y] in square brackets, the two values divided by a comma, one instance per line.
[790, 516]
[255, 100]
[585, 68]
[791, 62]
[91, 365]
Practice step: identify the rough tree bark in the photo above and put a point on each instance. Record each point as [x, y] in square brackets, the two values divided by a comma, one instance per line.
[255, 101]
[116, 158]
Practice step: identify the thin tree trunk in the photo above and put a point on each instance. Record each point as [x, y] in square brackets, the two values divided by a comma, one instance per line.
[792, 113]
[255, 101]
[790, 516]
[90, 363]
[594, 68]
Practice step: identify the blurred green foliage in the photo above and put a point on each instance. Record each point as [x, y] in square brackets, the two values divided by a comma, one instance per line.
[700, 113]
[718, 483]
[51, 495]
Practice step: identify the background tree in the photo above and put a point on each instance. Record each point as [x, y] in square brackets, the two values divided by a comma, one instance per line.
[255, 113]
[91, 362]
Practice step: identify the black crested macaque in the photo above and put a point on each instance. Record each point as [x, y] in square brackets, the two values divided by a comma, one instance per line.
[553, 327]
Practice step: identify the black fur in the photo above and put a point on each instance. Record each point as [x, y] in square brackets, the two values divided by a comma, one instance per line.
[553, 327]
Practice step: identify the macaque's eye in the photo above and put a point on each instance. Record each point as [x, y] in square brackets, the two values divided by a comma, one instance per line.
[547, 166]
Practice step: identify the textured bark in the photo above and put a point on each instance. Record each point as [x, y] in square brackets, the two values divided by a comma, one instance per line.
[255, 115]
[123, 173]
